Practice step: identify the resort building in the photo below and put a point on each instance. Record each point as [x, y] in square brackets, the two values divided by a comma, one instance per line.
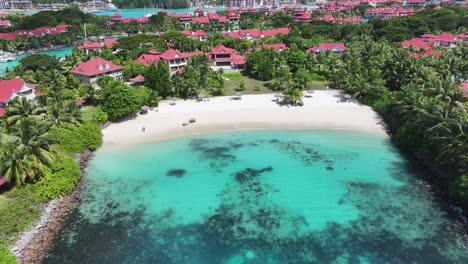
[137, 81]
[175, 59]
[37, 32]
[199, 34]
[90, 71]
[256, 34]
[10, 89]
[446, 40]
[417, 43]
[336, 48]
[97, 46]
[277, 47]
[226, 58]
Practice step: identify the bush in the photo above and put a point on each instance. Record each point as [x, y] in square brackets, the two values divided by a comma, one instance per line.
[317, 77]
[101, 117]
[60, 181]
[75, 139]
[5, 255]
[460, 189]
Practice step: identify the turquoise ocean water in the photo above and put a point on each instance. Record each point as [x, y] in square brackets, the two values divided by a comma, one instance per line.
[140, 12]
[60, 53]
[258, 197]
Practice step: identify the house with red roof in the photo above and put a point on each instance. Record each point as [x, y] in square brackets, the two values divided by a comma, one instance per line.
[465, 88]
[148, 59]
[115, 19]
[256, 34]
[10, 89]
[5, 23]
[417, 43]
[446, 40]
[463, 37]
[90, 71]
[199, 34]
[175, 59]
[97, 46]
[222, 56]
[415, 3]
[37, 32]
[428, 52]
[137, 81]
[336, 48]
[277, 47]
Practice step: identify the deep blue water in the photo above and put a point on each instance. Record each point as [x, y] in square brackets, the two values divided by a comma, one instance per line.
[258, 197]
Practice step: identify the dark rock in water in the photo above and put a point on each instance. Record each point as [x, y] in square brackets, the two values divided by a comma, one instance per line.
[330, 168]
[246, 174]
[179, 173]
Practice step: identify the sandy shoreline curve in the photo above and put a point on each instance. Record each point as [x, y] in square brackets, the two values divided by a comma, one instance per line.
[323, 110]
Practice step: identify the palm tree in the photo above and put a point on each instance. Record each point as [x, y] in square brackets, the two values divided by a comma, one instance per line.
[446, 90]
[20, 108]
[13, 164]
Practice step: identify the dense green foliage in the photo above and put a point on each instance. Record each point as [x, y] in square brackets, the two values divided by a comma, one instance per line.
[5, 255]
[58, 182]
[42, 62]
[77, 138]
[119, 100]
[17, 212]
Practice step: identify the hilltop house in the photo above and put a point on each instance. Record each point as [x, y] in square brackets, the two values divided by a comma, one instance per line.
[10, 89]
[90, 71]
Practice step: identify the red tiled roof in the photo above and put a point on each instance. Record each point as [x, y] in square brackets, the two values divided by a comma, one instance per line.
[88, 45]
[465, 88]
[138, 79]
[171, 54]
[328, 47]
[95, 66]
[79, 101]
[5, 23]
[427, 53]
[8, 87]
[147, 59]
[2, 178]
[418, 43]
[446, 37]
[2, 111]
[154, 52]
[201, 20]
[276, 46]
[221, 49]
[238, 59]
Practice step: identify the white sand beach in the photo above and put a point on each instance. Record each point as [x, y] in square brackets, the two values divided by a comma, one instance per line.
[321, 111]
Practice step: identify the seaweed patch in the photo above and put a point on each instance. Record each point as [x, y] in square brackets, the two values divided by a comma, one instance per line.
[179, 173]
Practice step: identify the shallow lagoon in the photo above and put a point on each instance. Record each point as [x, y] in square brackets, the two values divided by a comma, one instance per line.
[258, 197]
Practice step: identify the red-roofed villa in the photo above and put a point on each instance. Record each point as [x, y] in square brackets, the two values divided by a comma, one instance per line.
[226, 57]
[10, 89]
[336, 48]
[90, 71]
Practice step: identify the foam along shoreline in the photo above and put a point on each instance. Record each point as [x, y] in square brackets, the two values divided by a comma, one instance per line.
[323, 110]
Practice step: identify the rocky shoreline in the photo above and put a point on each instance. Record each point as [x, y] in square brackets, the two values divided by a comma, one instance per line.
[32, 246]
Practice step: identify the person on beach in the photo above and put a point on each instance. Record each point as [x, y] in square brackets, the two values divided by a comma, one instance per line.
[143, 129]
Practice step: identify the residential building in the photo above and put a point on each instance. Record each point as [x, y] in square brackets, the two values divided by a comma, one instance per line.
[277, 47]
[336, 48]
[97, 46]
[418, 43]
[222, 56]
[175, 59]
[90, 71]
[10, 89]
[446, 40]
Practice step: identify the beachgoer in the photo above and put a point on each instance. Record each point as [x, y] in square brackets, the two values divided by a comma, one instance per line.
[143, 129]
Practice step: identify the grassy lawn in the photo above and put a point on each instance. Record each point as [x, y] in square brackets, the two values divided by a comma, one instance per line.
[253, 86]
[88, 113]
